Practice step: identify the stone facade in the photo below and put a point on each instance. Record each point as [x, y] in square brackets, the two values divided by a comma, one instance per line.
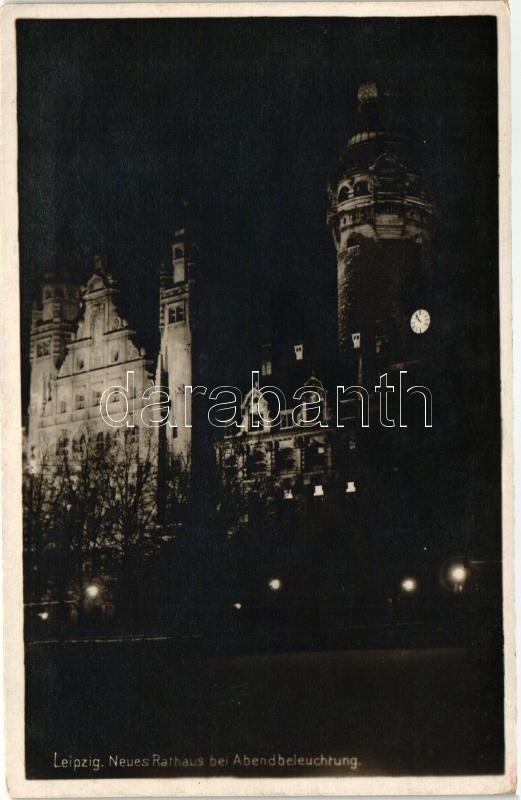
[88, 353]
[381, 221]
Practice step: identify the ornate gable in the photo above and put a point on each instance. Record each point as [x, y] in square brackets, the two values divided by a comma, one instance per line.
[102, 337]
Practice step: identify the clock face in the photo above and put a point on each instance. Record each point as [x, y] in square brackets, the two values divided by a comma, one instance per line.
[420, 320]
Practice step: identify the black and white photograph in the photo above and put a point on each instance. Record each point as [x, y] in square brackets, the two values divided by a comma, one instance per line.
[262, 475]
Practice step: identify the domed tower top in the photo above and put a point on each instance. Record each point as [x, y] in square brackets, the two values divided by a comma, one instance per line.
[373, 98]
[378, 190]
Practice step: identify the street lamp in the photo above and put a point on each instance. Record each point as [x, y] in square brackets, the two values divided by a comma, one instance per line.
[238, 606]
[455, 575]
[92, 591]
[409, 585]
[275, 584]
[458, 575]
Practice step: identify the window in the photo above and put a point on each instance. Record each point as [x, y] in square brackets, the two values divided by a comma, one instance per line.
[63, 406]
[115, 355]
[382, 344]
[80, 363]
[299, 352]
[255, 463]
[266, 360]
[351, 487]
[319, 490]
[176, 314]
[80, 401]
[42, 349]
[382, 339]
[343, 194]
[288, 494]
[284, 459]
[315, 456]
[361, 188]
[114, 397]
[356, 340]
[178, 253]
[96, 398]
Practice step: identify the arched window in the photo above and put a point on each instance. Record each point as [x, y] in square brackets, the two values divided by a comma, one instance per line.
[343, 194]
[361, 188]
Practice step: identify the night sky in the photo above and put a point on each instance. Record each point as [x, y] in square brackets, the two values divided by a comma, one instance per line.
[119, 121]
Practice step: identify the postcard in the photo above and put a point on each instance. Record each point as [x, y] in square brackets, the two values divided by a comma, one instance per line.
[257, 399]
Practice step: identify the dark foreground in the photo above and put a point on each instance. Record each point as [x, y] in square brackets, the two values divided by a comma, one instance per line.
[145, 709]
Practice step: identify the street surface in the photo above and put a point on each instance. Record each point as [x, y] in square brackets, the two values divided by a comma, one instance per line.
[140, 709]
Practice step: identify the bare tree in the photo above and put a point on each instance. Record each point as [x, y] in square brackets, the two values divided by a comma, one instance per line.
[91, 515]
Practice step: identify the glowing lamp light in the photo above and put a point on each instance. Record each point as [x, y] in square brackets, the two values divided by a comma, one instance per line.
[351, 487]
[454, 575]
[238, 606]
[275, 584]
[92, 592]
[288, 494]
[409, 585]
[319, 491]
[458, 574]
[44, 615]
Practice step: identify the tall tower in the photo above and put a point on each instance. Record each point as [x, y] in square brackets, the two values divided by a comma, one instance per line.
[380, 217]
[52, 327]
[176, 318]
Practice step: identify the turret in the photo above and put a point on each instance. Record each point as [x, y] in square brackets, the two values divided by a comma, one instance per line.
[53, 325]
[381, 218]
[176, 327]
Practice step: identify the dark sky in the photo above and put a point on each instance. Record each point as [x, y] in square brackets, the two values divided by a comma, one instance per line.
[120, 120]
